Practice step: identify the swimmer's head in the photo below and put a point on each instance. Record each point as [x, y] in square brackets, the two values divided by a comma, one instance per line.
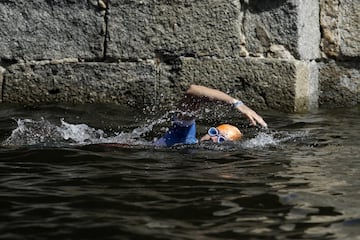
[230, 132]
[223, 132]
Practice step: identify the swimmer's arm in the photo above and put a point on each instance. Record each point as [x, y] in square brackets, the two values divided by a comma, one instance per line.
[210, 93]
[216, 95]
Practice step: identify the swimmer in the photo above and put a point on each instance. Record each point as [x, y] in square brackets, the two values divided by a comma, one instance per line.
[183, 130]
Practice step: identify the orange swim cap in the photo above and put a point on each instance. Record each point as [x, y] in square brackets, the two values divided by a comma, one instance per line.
[230, 132]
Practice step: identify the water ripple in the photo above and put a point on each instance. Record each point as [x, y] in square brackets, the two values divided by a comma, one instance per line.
[295, 181]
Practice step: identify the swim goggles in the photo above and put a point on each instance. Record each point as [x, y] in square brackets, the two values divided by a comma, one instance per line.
[214, 132]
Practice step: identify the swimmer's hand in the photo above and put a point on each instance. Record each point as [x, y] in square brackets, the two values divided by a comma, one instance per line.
[251, 115]
[216, 95]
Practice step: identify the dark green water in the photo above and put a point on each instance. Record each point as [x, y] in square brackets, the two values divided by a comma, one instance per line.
[59, 179]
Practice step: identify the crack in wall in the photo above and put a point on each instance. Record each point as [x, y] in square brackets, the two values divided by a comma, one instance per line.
[106, 4]
[2, 70]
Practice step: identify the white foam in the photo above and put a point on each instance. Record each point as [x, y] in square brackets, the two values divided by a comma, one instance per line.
[266, 139]
[30, 132]
[260, 140]
[80, 133]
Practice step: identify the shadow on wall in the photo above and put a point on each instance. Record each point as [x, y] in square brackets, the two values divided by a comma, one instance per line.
[258, 6]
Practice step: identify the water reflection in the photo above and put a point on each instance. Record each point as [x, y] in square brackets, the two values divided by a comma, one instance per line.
[322, 176]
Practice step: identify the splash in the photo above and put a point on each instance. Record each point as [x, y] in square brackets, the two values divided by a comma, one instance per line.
[275, 138]
[45, 133]
[260, 140]
[79, 133]
[30, 132]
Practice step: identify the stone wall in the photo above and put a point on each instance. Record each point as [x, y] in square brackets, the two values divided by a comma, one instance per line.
[280, 54]
[339, 75]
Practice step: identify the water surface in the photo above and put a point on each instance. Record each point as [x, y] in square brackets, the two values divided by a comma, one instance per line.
[60, 178]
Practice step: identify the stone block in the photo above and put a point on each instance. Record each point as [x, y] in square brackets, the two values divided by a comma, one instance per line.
[288, 23]
[260, 83]
[339, 83]
[144, 29]
[308, 26]
[340, 26]
[349, 28]
[121, 83]
[37, 30]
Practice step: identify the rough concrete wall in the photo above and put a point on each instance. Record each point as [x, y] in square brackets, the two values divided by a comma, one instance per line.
[144, 29]
[340, 27]
[340, 83]
[293, 25]
[39, 29]
[80, 82]
[340, 45]
[140, 52]
[278, 80]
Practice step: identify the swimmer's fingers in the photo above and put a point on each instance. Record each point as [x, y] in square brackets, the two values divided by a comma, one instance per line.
[252, 116]
[260, 120]
[255, 119]
[252, 120]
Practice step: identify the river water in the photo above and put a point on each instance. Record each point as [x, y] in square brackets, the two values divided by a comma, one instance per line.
[61, 179]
